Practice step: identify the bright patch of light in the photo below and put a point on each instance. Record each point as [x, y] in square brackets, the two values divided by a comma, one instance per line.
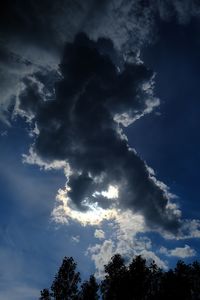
[111, 193]
[95, 215]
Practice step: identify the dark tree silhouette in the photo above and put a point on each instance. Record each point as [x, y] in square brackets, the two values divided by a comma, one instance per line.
[45, 295]
[155, 282]
[89, 289]
[195, 280]
[65, 284]
[138, 281]
[139, 278]
[183, 282]
[176, 284]
[114, 284]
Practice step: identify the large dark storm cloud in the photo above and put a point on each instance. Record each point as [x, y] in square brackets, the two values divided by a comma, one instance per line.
[83, 127]
[41, 22]
[101, 90]
[36, 31]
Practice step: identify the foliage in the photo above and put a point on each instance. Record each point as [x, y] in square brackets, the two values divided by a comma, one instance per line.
[65, 284]
[136, 281]
[89, 289]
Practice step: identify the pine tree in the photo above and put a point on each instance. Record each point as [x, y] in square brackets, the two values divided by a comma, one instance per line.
[114, 285]
[65, 285]
[45, 295]
[89, 289]
[139, 278]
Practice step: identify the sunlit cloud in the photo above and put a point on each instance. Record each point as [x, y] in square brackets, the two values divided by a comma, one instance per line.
[181, 252]
[94, 215]
[111, 193]
[99, 234]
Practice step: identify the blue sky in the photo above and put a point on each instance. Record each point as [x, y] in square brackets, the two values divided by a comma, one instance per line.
[32, 246]
[171, 147]
[43, 215]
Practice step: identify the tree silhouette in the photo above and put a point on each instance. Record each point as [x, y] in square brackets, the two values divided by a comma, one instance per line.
[139, 278]
[114, 284]
[176, 284]
[65, 284]
[195, 280]
[155, 282]
[137, 281]
[89, 289]
[183, 283]
[45, 295]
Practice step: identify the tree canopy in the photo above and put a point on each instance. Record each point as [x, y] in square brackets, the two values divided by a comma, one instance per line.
[137, 281]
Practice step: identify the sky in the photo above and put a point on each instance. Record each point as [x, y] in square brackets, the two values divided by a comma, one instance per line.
[99, 143]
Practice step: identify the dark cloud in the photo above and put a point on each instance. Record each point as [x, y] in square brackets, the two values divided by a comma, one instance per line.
[28, 20]
[42, 22]
[47, 24]
[36, 31]
[80, 127]
[81, 121]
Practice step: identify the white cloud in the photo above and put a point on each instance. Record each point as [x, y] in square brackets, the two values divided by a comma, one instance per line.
[99, 234]
[17, 67]
[125, 227]
[65, 212]
[181, 252]
[124, 237]
[76, 239]
[33, 159]
[165, 189]
[111, 193]
[125, 241]
[189, 229]
[101, 254]
[151, 256]
[151, 102]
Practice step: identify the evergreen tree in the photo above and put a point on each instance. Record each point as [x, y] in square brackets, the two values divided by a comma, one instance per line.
[168, 285]
[65, 285]
[139, 278]
[89, 289]
[183, 282]
[138, 281]
[114, 284]
[155, 282]
[195, 280]
[45, 295]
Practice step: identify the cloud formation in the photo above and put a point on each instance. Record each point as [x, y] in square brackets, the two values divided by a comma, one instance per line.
[181, 252]
[83, 126]
[102, 87]
[125, 22]
[99, 234]
[124, 240]
[33, 33]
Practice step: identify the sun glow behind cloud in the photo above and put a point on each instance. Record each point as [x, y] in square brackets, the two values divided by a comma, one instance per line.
[65, 211]
[94, 215]
[111, 193]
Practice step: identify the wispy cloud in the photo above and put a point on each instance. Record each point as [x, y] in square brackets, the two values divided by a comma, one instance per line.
[181, 252]
[99, 234]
